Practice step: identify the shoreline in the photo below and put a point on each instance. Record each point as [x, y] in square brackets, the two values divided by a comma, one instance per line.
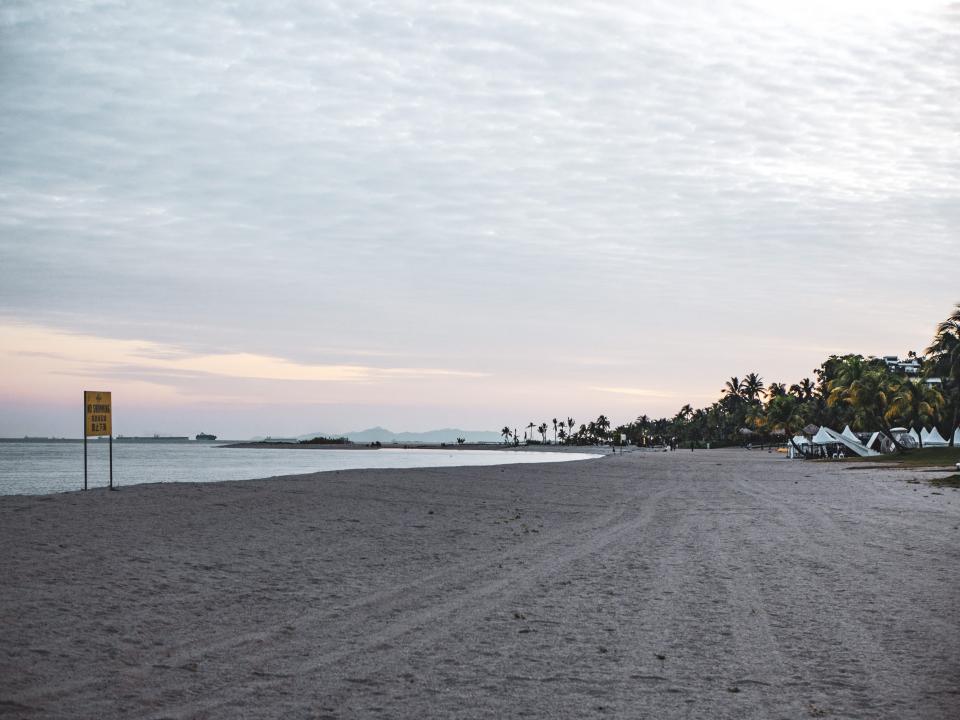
[55, 472]
[589, 449]
[708, 584]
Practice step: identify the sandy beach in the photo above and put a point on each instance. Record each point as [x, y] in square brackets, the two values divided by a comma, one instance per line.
[712, 584]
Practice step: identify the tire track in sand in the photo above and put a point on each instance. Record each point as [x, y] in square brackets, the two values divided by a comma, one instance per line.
[417, 625]
[383, 607]
[831, 651]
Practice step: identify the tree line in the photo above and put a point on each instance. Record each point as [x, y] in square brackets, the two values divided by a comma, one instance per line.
[863, 392]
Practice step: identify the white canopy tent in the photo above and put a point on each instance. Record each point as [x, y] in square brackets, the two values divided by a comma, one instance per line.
[850, 435]
[826, 436]
[934, 439]
[956, 437]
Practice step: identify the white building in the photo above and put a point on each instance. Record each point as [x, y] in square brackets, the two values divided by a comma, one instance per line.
[910, 366]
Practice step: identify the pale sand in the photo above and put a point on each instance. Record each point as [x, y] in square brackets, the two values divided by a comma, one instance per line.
[721, 584]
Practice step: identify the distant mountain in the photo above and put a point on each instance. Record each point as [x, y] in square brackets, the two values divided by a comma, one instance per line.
[444, 435]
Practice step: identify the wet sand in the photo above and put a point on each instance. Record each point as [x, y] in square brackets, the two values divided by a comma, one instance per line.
[713, 584]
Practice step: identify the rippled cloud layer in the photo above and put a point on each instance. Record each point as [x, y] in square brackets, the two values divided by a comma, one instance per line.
[496, 188]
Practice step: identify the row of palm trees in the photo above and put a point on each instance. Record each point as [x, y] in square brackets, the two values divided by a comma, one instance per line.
[563, 432]
[846, 390]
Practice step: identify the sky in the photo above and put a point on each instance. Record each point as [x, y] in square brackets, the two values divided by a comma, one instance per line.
[278, 218]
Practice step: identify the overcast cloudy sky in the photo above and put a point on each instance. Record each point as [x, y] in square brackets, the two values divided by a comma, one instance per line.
[273, 218]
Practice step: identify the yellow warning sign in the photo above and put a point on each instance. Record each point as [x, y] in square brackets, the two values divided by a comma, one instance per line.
[97, 413]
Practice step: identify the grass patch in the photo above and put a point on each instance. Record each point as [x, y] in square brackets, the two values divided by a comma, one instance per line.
[927, 457]
[952, 482]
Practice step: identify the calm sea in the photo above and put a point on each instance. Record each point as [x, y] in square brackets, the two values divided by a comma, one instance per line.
[42, 468]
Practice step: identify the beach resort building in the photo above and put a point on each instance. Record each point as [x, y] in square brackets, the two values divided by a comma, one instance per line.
[909, 367]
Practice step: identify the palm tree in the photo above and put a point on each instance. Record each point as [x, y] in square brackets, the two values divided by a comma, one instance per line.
[679, 423]
[714, 422]
[603, 424]
[554, 431]
[803, 390]
[530, 428]
[869, 394]
[776, 389]
[542, 429]
[752, 387]
[784, 412]
[756, 417]
[946, 344]
[944, 353]
[732, 388]
[850, 370]
[506, 434]
[915, 402]
[570, 424]
[697, 425]
[845, 372]
[562, 433]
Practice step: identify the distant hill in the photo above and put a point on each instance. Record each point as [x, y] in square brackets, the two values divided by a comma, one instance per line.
[444, 435]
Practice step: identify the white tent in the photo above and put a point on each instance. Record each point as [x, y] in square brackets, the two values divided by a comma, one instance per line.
[956, 437]
[826, 436]
[850, 435]
[913, 434]
[934, 439]
[924, 434]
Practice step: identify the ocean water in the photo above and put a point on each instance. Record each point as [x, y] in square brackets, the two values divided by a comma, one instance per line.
[37, 468]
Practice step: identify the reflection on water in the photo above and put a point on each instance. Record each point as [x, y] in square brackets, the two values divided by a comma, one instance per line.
[40, 468]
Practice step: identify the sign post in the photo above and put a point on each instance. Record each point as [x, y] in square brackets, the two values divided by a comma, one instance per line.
[97, 422]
